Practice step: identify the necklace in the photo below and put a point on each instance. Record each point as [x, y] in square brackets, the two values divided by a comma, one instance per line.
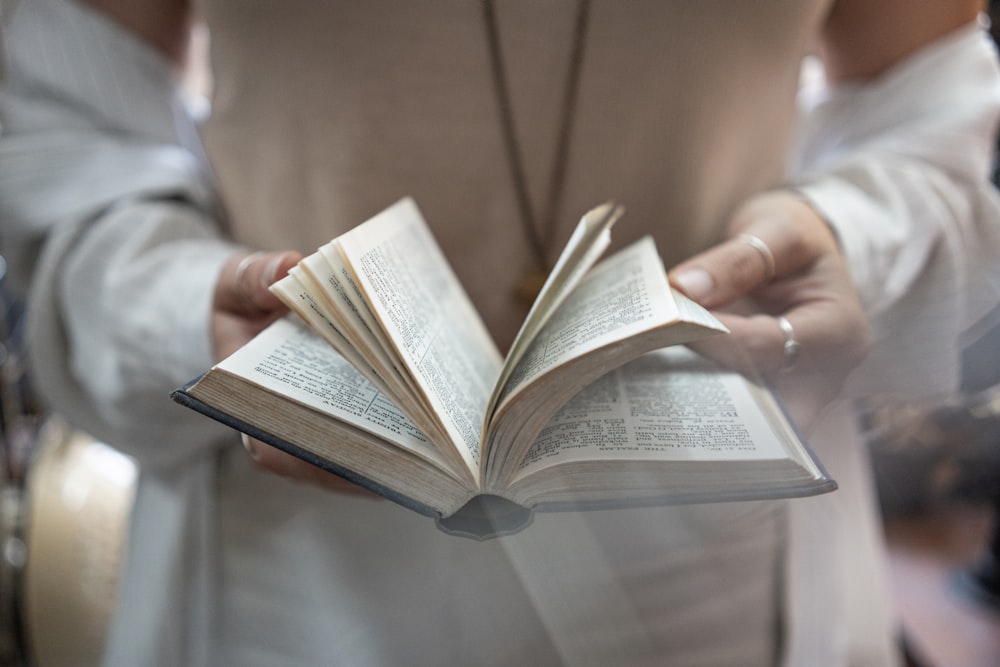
[540, 234]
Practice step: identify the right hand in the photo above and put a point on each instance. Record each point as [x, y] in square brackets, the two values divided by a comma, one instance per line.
[241, 308]
[797, 273]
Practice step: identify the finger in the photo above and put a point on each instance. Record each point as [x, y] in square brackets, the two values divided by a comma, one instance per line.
[281, 463]
[775, 235]
[742, 264]
[804, 393]
[753, 348]
[243, 284]
[819, 337]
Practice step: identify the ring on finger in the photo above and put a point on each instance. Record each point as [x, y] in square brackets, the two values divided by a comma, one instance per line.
[791, 348]
[761, 247]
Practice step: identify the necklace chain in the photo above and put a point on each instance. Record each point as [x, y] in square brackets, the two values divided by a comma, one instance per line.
[540, 234]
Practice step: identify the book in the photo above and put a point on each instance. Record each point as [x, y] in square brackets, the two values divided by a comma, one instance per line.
[384, 374]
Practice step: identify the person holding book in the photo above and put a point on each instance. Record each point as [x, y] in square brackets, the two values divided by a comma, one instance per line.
[505, 121]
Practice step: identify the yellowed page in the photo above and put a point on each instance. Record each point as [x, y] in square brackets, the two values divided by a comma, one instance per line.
[585, 246]
[669, 405]
[427, 315]
[623, 296]
[289, 359]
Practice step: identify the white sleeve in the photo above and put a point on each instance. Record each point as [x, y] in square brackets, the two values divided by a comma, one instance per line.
[900, 168]
[110, 227]
[119, 315]
[118, 247]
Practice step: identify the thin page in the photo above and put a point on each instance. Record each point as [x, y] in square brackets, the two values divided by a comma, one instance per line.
[301, 302]
[328, 262]
[429, 318]
[350, 293]
[692, 311]
[669, 405]
[623, 296]
[290, 359]
[300, 299]
[326, 284]
[588, 241]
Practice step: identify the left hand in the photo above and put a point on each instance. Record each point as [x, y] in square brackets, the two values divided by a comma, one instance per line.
[781, 260]
[242, 307]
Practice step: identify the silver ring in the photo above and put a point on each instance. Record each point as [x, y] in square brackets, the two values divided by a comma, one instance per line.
[758, 244]
[792, 347]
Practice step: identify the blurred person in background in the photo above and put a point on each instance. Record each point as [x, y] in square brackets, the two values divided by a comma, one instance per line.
[134, 234]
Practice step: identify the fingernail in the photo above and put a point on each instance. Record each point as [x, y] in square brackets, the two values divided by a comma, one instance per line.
[695, 283]
[249, 446]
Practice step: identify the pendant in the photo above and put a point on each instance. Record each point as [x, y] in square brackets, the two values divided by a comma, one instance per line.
[529, 285]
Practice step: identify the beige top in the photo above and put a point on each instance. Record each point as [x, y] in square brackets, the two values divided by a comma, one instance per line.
[325, 113]
[683, 109]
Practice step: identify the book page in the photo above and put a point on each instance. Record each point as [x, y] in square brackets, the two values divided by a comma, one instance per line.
[669, 405]
[290, 359]
[589, 240]
[340, 277]
[295, 295]
[622, 296]
[325, 273]
[428, 317]
[315, 273]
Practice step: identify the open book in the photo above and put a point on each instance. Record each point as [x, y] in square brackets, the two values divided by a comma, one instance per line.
[389, 378]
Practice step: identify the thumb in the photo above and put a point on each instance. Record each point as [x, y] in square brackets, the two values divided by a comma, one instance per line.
[777, 234]
[727, 271]
[244, 281]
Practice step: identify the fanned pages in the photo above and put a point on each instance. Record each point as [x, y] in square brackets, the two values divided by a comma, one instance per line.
[388, 377]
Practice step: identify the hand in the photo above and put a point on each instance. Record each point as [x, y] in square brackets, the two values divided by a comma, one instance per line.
[242, 307]
[782, 260]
